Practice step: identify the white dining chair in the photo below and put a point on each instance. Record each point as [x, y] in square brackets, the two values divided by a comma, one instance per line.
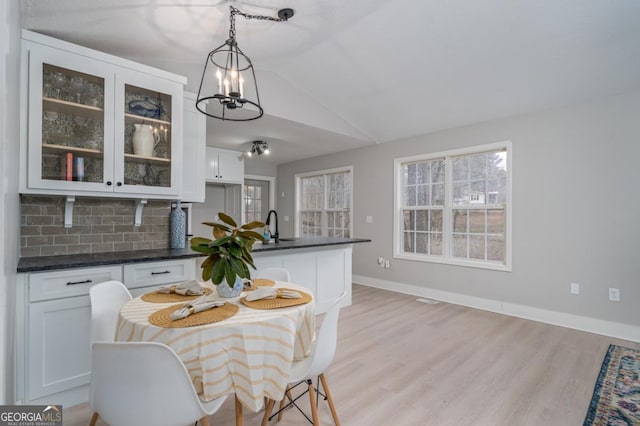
[314, 366]
[144, 383]
[107, 299]
[276, 274]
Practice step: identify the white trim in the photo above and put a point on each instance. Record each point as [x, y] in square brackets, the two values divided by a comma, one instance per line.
[577, 322]
[272, 187]
[446, 258]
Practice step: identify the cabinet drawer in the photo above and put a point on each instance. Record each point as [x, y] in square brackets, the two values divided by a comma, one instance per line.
[157, 273]
[70, 282]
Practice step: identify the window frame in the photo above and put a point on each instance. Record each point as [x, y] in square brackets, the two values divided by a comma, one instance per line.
[448, 207]
[298, 195]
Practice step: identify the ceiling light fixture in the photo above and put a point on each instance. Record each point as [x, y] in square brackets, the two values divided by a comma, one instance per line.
[258, 148]
[228, 78]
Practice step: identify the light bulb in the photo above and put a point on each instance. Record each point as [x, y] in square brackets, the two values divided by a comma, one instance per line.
[266, 150]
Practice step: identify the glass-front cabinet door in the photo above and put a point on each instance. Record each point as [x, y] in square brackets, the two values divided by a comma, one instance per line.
[96, 128]
[148, 111]
[70, 129]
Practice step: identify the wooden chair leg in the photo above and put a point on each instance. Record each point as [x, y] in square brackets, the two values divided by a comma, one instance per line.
[267, 411]
[327, 392]
[204, 421]
[239, 414]
[287, 393]
[94, 419]
[312, 399]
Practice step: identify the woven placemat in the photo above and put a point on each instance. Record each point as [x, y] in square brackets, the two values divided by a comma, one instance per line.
[162, 318]
[257, 282]
[278, 302]
[171, 297]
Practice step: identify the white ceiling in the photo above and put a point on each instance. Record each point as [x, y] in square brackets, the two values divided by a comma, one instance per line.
[343, 74]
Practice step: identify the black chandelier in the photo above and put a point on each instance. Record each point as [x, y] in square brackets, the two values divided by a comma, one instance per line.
[258, 148]
[228, 78]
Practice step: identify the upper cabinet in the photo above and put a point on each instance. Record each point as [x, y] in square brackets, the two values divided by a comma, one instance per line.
[194, 143]
[224, 166]
[98, 125]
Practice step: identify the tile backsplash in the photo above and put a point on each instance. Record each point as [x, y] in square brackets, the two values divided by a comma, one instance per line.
[99, 225]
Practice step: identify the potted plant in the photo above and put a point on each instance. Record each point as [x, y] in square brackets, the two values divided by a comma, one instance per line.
[229, 254]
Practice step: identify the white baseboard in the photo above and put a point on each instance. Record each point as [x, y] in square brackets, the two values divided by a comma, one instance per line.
[577, 322]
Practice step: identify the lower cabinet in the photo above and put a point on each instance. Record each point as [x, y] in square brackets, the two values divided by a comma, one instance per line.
[53, 359]
[324, 271]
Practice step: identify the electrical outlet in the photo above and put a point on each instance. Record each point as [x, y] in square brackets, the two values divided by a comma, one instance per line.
[387, 264]
[369, 219]
[614, 294]
[575, 288]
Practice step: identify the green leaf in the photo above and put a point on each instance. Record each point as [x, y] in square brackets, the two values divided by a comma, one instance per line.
[206, 271]
[202, 249]
[229, 274]
[197, 241]
[245, 271]
[221, 241]
[210, 260]
[217, 225]
[235, 251]
[227, 219]
[253, 225]
[236, 264]
[217, 273]
[251, 235]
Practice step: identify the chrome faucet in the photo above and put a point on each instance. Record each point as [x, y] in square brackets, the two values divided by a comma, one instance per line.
[275, 236]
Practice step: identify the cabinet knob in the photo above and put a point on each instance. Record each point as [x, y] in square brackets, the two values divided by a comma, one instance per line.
[108, 183]
[119, 183]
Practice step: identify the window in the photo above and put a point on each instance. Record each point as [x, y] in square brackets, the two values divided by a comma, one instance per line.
[454, 207]
[323, 203]
[258, 197]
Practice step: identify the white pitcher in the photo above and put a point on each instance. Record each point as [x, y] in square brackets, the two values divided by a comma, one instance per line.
[144, 140]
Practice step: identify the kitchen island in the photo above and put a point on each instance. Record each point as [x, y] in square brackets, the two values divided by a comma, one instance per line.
[53, 310]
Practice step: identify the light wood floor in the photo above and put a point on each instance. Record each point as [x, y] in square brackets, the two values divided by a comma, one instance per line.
[402, 362]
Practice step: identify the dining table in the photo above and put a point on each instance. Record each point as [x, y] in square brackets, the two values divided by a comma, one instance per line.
[249, 353]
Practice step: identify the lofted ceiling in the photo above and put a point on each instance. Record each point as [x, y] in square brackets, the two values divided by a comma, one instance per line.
[345, 74]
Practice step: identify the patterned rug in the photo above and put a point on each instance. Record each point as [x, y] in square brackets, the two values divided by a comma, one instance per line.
[616, 395]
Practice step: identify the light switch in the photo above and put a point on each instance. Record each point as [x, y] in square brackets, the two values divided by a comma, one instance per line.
[369, 219]
[286, 218]
[575, 288]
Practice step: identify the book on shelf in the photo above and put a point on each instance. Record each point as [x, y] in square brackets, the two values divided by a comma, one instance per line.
[69, 166]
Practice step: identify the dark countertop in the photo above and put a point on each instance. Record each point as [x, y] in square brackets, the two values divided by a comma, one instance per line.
[52, 263]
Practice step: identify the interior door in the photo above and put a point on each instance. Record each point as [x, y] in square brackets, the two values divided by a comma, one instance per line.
[256, 200]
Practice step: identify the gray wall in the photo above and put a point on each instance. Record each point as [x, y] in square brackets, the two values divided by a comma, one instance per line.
[9, 209]
[575, 209]
[259, 166]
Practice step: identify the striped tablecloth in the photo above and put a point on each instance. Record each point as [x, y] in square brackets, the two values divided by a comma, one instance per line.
[249, 354]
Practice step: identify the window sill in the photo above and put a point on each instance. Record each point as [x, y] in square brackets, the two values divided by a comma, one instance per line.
[455, 262]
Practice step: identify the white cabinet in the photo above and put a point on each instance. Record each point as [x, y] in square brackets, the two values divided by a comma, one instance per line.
[194, 151]
[54, 313]
[324, 271]
[97, 125]
[58, 342]
[53, 350]
[224, 166]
